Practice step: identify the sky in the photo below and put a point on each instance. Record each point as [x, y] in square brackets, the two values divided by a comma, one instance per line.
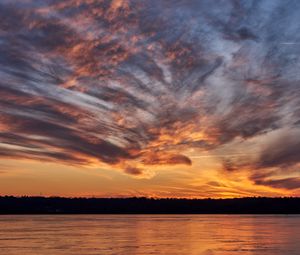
[173, 98]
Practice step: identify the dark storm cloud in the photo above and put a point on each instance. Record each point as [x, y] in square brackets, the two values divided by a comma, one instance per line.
[140, 81]
[286, 183]
[267, 178]
[277, 163]
[282, 152]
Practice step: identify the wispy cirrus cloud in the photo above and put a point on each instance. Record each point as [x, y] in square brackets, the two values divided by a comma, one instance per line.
[136, 83]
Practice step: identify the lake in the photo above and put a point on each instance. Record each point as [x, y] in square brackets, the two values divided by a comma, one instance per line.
[150, 234]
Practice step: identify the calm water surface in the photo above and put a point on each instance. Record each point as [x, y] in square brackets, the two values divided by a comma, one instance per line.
[150, 234]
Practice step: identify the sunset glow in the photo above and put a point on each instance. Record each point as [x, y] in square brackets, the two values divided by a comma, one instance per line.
[122, 98]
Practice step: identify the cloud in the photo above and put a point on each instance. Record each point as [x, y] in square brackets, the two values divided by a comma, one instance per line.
[276, 162]
[283, 151]
[279, 161]
[133, 170]
[285, 183]
[139, 83]
[165, 159]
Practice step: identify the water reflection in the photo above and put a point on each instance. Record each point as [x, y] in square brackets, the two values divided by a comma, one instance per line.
[150, 234]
